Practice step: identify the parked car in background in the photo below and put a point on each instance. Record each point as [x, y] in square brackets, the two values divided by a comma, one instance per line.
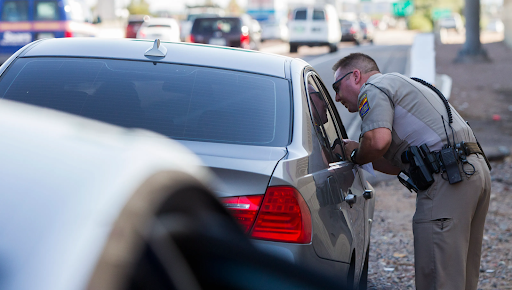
[166, 29]
[198, 11]
[265, 125]
[495, 25]
[314, 26]
[368, 30]
[351, 31]
[133, 25]
[453, 22]
[22, 22]
[274, 30]
[239, 31]
[88, 205]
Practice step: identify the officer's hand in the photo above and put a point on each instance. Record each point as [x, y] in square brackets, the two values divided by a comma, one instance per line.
[350, 145]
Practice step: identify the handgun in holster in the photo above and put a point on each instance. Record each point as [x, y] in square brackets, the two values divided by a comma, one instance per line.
[420, 174]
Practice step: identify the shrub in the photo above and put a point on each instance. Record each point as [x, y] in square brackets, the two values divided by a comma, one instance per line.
[420, 22]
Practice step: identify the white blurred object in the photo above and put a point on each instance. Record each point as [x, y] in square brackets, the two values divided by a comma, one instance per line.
[166, 29]
[423, 57]
[496, 25]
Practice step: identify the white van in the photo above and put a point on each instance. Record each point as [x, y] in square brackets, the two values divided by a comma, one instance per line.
[314, 26]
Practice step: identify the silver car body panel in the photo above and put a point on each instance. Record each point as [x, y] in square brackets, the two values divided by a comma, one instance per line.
[241, 169]
[64, 180]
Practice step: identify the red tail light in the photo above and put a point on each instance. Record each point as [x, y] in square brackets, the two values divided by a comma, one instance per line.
[190, 38]
[244, 40]
[352, 30]
[68, 33]
[244, 209]
[283, 216]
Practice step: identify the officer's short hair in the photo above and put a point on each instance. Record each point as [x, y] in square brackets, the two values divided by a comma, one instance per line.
[360, 61]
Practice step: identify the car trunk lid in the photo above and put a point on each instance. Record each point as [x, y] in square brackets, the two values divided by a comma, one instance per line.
[241, 169]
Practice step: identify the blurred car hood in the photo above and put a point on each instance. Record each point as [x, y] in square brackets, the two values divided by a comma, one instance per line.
[63, 180]
[240, 169]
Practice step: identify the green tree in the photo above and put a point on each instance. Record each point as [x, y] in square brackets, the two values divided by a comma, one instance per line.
[138, 7]
[234, 8]
[425, 7]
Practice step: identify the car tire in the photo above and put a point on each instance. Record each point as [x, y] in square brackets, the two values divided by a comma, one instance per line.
[333, 47]
[293, 47]
[357, 42]
[363, 281]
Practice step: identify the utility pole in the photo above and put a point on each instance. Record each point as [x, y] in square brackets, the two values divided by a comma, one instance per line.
[472, 50]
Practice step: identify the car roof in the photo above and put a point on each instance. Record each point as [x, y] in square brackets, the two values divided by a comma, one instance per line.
[179, 53]
[160, 20]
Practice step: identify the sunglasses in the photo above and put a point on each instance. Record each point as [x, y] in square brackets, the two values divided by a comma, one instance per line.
[335, 85]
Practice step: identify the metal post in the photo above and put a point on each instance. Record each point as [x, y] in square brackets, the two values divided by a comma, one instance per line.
[472, 50]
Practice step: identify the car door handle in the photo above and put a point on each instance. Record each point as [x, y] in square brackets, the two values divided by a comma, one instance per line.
[367, 194]
[351, 199]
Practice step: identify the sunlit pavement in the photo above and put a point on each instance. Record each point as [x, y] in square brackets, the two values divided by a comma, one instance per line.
[387, 37]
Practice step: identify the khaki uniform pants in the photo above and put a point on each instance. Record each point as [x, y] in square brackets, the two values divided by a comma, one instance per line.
[448, 229]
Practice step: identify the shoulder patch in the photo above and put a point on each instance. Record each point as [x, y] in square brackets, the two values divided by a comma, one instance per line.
[364, 106]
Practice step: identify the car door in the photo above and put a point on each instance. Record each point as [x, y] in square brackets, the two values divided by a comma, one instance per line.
[349, 202]
[327, 227]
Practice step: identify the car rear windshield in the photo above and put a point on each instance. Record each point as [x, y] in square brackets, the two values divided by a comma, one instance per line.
[179, 101]
[46, 10]
[318, 15]
[15, 11]
[301, 14]
[210, 25]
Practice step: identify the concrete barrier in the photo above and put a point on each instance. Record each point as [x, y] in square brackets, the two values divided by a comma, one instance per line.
[422, 61]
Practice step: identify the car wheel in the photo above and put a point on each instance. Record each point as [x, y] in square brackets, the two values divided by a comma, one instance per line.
[293, 47]
[333, 47]
[357, 42]
[363, 282]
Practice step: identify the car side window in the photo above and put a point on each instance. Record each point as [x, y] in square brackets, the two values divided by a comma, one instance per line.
[323, 122]
[335, 116]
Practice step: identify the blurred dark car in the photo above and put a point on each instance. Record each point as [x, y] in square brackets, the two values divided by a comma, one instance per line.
[133, 25]
[227, 31]
[88, 205]
[351, 31]
[265, 124]
[368, 30]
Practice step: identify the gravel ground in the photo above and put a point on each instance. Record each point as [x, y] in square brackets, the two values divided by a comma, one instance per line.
[482, 93]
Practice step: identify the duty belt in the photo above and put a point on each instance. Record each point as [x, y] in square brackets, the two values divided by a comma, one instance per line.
[423, 164]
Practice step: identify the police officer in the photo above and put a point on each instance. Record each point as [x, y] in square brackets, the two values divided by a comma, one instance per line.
[397, 113]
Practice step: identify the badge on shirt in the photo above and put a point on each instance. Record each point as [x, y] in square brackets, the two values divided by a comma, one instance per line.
[364, 106]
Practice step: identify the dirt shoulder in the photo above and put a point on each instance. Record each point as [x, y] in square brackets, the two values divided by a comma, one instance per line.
[482, 94]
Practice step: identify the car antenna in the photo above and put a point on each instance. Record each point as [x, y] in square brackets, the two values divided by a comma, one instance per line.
[156, 50]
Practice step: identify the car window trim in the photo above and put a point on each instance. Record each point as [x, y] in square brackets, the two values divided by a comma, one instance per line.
[340, 129]
[310, 73]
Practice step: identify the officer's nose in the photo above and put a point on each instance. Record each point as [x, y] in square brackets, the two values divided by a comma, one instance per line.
[337, 98]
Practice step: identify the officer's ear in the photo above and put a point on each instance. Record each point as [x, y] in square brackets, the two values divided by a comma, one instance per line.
[357, 76]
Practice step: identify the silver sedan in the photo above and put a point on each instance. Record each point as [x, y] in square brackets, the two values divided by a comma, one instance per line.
[264, 124]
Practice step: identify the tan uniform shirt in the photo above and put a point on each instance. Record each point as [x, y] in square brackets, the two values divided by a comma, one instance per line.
[413, 112]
